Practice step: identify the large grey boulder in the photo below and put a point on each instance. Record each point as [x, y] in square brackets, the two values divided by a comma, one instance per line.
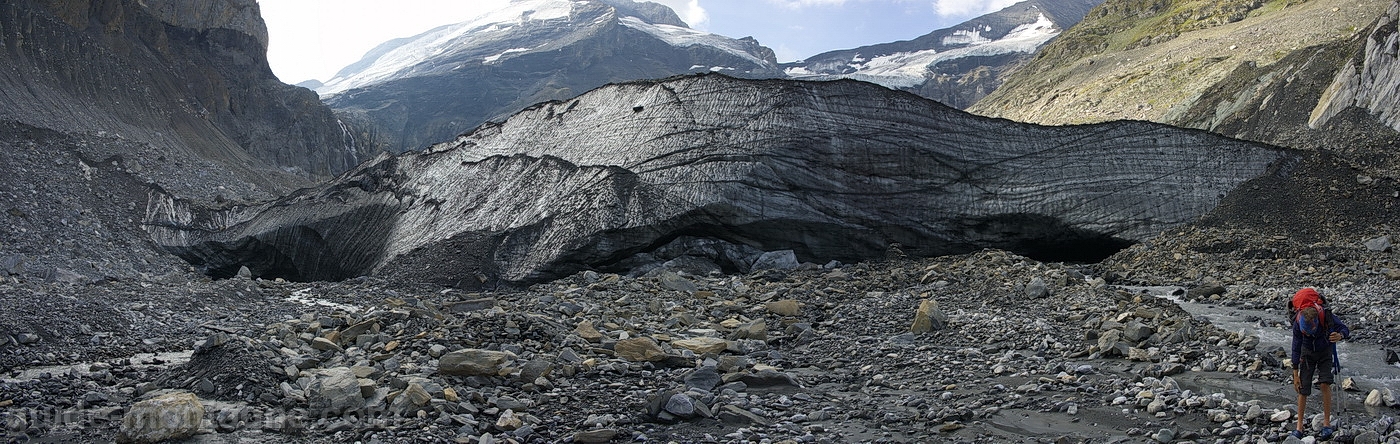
[166, 417]
[473, 362]
[830, 170]
[335, 391]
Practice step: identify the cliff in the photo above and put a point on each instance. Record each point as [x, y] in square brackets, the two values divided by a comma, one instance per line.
[187, 81]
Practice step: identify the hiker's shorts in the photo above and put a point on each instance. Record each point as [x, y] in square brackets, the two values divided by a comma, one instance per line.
[1310, 364]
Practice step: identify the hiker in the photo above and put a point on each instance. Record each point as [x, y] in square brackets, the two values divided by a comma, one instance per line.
[1315, 333]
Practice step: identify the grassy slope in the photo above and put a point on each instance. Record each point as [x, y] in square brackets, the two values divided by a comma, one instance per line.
[1154, 59]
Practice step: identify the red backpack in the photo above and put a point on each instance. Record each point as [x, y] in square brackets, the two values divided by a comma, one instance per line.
[1303, 299]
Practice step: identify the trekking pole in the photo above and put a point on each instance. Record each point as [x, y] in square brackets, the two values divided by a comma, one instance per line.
[1337, 376]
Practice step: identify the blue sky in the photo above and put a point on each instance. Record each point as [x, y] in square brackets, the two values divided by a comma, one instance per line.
[312, 39]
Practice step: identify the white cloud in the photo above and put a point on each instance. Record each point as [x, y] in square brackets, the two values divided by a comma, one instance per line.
[690, 11]
[970, 7]
[786, 54]
[312, 39]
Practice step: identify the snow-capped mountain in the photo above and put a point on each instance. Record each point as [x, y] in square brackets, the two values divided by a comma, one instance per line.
[957, 65]
[411, 92]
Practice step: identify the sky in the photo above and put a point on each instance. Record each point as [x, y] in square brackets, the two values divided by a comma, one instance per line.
[313, 39]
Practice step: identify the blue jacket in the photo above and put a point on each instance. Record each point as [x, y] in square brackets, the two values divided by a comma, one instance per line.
[1319, 343]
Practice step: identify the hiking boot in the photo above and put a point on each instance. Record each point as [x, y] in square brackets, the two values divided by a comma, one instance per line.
[1325, 433]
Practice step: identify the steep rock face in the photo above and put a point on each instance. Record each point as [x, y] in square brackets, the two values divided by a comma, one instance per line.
[957, 65]
[1371, 80]
[188, 81]
[831, 170]
[1265, 71]
[412, 92]
[236, 15]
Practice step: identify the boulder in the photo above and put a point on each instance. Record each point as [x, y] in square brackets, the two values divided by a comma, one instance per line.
[673, 281]
[12, 264]
[702, 345]
[641, 349]
[1253, 413]
[595, 436]
[733, 414]
[166, 417]
[588, 332]
[1037, 289]
[1349, 384]
[1379, 244]
[1140, 355]
[681, 405]
[1367, 437]
[751, 330]
[1204, 291]
[1164, 436]
[410, 400]
[324, 344]
[335, 391]
[473, 362]
[786, 307]
[1110, 343]
[536, 368]
[1136, 332]
[776, 260]
[704, 378]
[509, 421]
[1375, 398]
[768, 379]
[928, 317]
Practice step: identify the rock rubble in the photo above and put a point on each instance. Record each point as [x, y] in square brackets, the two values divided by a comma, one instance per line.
[805, 355]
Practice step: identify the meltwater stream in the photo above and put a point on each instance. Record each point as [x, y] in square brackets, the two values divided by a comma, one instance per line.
[1365, 363]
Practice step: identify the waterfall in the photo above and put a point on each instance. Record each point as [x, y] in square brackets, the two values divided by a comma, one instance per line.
[347, 138]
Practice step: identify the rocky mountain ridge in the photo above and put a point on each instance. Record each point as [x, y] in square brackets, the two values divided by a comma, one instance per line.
[957, 65]
[413, 92]
[1370, 81]
[188, 80]
[1282, 72]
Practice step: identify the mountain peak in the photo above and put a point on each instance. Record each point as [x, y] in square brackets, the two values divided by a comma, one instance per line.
[973, 55]
[520, 27]
[650, 12]
[427, 88]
